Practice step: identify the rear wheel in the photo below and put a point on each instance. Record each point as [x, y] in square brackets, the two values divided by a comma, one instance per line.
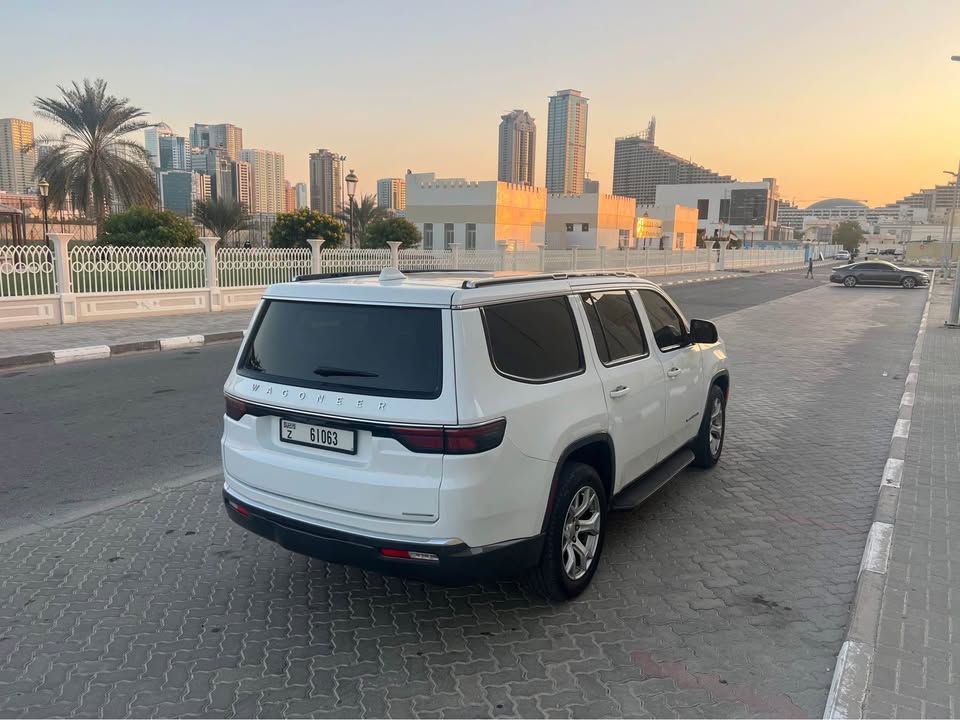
[850, 281]
[575, 533]
[909, 283]
[709, 443]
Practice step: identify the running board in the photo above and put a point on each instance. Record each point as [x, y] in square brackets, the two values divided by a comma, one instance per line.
[645, 486]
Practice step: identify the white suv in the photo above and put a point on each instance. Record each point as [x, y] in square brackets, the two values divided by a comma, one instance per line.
[454, 427]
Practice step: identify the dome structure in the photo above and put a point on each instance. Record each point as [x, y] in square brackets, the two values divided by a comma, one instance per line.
[835, 203]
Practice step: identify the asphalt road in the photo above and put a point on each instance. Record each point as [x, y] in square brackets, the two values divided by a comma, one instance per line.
[75, 436]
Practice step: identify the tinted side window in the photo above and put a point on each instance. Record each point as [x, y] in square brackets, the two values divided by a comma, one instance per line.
[615, 326]
[533, 340]
[669, 331]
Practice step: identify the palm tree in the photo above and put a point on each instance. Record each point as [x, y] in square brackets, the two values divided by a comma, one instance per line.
[221, 217]
[364, 213]
[91, 163]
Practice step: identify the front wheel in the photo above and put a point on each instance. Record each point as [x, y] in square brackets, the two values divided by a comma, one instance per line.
[709, 443]
[909, 283]
[850, 281]
[575, 532]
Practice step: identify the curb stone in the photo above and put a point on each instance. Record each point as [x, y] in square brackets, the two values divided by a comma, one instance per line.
[98, 352]
[851, 676]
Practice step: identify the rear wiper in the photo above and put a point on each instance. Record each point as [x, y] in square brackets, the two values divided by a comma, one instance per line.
[327, 371]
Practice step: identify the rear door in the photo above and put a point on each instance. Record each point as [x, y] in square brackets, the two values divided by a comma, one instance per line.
[347, 404]
[682, 365]
[633, 380]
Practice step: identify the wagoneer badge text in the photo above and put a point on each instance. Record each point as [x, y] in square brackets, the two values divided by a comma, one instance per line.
[321, 398]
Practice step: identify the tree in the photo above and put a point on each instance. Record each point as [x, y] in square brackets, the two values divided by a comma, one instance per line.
[146, 227]
[850, 235]
[364, 213]
[396, 228]
[91, 163]
[294, 229]
[221, 217]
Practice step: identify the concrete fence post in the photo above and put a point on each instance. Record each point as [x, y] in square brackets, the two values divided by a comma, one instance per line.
[395, 254]
[456, 248]
[603, 258]
[61, 270]
[315, 245]
[574, 258]
[501, 254]
[542, 252]
[210, 272]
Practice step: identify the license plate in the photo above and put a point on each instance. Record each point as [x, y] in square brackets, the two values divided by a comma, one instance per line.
[319, 436]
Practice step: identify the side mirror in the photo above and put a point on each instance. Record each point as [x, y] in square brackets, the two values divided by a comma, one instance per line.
[703, 332]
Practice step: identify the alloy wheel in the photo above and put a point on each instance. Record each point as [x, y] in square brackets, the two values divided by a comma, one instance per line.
[581, 533]
[716, 427]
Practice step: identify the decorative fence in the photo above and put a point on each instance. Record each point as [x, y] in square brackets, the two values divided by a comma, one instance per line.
[42, 286]
[26, 270]
[257, 267]
[105, 269]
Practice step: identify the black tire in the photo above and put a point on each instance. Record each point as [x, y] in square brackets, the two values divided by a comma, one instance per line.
[850, 281]
[705, 455]
[909, 283]
[549, 577]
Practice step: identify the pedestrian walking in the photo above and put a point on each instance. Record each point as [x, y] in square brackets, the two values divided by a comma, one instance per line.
[809, 267]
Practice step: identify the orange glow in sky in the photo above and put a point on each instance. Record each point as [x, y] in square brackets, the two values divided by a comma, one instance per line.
[854, 99]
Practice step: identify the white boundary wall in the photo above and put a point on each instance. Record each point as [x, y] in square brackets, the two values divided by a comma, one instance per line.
[40, 286]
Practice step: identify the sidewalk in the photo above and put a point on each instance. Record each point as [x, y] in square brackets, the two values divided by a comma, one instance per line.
[915, 670]
[66, 343]
[903, 648]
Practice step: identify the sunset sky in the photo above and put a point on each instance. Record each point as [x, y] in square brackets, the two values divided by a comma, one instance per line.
[850, 98]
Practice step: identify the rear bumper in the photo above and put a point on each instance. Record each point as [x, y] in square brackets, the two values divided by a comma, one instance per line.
[456, 564]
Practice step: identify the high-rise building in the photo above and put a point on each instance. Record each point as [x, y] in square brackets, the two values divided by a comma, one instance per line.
[290, 197]
[518, 144]
[242, 183]
[151, 141]
[16, 161]
[391, 193]
[176, 191]
[174, 153]
[326, 182]
[566, 142]
[303, 199]
[226, 136]
[639, 166]
[266, 171]
[214, 162]
[201, 187]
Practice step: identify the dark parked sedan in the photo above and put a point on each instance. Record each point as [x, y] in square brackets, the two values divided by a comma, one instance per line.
[878, 272]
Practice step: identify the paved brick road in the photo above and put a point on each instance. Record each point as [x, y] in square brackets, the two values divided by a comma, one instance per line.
[726, 595]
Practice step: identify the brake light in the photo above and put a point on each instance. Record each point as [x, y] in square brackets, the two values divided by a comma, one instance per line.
[450, 440]
[235, 409]
[239, 508]
[474, 439]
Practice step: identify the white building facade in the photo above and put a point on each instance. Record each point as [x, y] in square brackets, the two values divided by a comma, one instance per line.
[479, 215]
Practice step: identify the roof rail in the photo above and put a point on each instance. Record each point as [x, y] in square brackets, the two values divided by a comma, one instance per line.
[472, 284]
[368, 273]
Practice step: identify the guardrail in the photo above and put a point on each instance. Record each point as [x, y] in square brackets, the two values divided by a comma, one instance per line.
[92, 282]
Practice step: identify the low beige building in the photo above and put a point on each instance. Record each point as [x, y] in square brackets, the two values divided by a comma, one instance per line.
[590, 221]
[476, 214]
[679, 225]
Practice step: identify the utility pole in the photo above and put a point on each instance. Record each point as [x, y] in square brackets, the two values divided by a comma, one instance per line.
[953, 319]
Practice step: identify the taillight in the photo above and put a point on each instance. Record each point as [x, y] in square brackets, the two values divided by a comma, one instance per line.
[235, 409]
[450, 440]
[474, 439]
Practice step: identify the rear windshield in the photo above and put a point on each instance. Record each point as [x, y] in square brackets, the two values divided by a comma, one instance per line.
[363, 349]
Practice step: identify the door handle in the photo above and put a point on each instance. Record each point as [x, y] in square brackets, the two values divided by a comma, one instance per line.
[619, 391]
[673, 372]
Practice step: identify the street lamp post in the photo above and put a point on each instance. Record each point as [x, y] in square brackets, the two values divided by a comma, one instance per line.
[953, 319]
[351, 180]
[44, 187]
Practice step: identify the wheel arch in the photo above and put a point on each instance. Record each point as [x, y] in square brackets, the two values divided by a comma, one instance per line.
[596, 450]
